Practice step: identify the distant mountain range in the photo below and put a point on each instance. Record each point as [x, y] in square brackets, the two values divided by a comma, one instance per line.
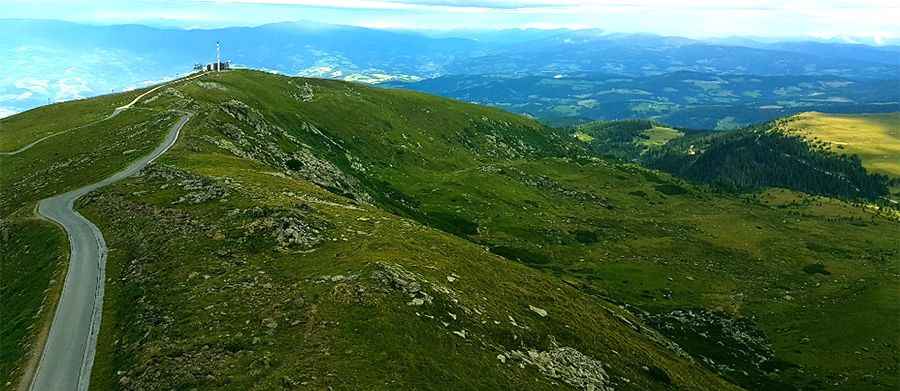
[685, 99]
[48, 61]
[645, 54]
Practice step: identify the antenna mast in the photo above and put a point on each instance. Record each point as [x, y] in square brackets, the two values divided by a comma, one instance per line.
[218, 58]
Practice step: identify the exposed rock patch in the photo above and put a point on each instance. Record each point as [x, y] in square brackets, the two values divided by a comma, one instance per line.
[290, 228]
[567, 365]
[199, 189]
[727, 345]
[410, 283]
[302, 92]
[211, 85]
[256, 138]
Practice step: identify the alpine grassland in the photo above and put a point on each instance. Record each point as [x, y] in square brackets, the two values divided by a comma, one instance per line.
[330, 235]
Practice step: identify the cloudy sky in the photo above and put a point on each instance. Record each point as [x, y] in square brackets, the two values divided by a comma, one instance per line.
[876, 19]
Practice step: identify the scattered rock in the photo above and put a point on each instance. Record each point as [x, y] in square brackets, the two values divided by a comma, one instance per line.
[416, 301]
[291, 228]
[740, 346]
[211, 85]
[302, 93]
[540, 311]
[199, 189]
[407, 282]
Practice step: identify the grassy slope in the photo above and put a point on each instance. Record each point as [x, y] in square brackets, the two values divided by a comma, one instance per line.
[874, 137]
[31, 258]
[198, 297]
[659, 135]
[657, 227]
[61, 163]
[21, 129]
[204, 284]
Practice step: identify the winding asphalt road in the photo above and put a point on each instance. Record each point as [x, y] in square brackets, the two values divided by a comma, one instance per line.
[68, 354]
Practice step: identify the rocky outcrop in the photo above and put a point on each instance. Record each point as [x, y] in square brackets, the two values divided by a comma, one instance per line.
[254, 137]
[411, 284]
[735, 346]
[211, 85]
[291, 229]
[199, 189]
[567, 365]
[302, 92]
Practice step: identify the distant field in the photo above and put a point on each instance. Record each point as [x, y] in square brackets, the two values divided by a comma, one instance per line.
[583, 137]
[874, 137]
[658, 136]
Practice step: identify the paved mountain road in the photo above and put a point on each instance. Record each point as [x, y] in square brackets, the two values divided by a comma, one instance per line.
[68, 354]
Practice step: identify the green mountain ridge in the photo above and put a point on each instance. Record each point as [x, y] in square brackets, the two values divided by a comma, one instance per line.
[319, 233]
[742, 160]
[761, 157]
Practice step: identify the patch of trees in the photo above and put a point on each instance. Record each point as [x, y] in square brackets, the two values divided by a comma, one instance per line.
[617, 138]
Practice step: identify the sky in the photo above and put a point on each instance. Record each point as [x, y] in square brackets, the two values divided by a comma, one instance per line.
[877, 20]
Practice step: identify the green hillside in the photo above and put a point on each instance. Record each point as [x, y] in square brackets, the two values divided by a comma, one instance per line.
[875, 138]
[764, 156]
[626, 140]
[322, 234]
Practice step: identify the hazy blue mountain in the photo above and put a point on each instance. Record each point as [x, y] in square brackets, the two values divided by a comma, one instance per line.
[287, 47]
[880, 54]
[46, 61]
[506, 36]
[51, 61]
[645, 54]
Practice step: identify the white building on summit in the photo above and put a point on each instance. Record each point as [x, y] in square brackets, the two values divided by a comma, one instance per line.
[216, 66]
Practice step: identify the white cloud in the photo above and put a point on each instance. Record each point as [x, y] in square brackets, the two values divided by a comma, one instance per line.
[34, 85]
[13, 97]
[692, 18]
[5, 112]
[695, 18]
[581, 5]
[71, 88]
